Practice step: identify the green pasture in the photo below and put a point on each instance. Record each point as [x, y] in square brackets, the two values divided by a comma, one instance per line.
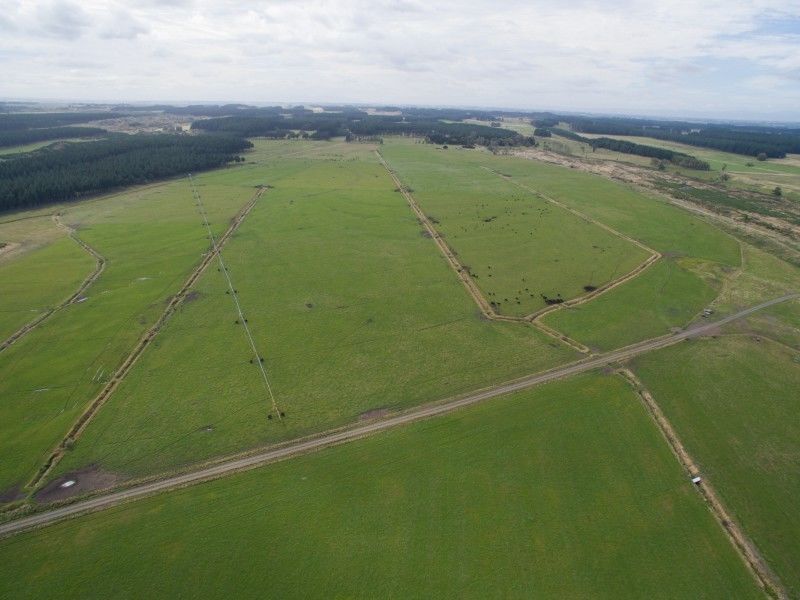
[520, 248]
[664, 296]
[352, 307]
[151, 238]
[734, 402]
[763, 277]
[733, 163]
[567, 147]
[745, 171]
[40, 280]
[563, 491]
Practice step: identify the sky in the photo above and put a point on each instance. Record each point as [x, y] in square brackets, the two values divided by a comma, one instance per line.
[728, 59]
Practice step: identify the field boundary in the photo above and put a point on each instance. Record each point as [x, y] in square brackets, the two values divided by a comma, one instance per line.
[234, 294]
[743, 545]
[100, 265]
[654, 254]
[258, 457]
[122, 371]
[633, 176]
[463, 274]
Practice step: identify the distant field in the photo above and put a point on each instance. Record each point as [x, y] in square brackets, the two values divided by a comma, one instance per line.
[565, 491]
[351, 305]
[569, 147]
[746, 171]
[734, 402]
[519, 248]
[151, 238]
[522, 126]
[9, 150]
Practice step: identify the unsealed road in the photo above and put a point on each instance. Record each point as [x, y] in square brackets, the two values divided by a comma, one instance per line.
[346, 435]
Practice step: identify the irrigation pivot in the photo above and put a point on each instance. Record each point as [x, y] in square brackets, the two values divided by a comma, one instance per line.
[234, 294]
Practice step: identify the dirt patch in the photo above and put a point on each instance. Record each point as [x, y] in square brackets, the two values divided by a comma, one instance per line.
[85, 480]
[375, 413]
[426, 234]
[192, 296]
[6, 247]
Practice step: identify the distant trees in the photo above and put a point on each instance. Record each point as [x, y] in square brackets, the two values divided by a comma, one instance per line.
[749, 140]
[360, 125]
[690, 162]
[19, 137]
[51, 175]
[18, 121]
[626, 147]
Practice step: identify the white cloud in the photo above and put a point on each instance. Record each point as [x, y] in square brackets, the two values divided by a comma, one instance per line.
[628, 55]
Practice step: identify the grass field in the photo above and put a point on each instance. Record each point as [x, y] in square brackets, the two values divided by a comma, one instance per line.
[40, 280]
[27, 231]
[763, 276]
[7, 152]
[519, 248]
[663, 297]
[562, 145]
[734, 402]
[151, 238]
[353, 309]
[745, 171]
[565, 491]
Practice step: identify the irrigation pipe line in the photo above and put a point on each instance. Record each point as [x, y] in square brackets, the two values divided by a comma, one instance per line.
[216, 250]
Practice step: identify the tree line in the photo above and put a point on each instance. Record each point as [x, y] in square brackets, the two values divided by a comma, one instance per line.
[359, 124]
[18, 137]
[748, 140]
[19, 121]
[627, 147]
[77, 169]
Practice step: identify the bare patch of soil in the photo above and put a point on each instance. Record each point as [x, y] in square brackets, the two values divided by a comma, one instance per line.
[192, 296]
[7, 247]
[85, 480]
[375, 413]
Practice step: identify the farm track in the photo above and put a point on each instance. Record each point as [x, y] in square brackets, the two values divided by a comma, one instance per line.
[746, 548]
[90, 279]
[349, 434]
[643, 179]
[122, 371]
[654, 254]
[463, 274]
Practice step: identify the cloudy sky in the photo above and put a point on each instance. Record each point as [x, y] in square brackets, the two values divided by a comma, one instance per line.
[712, 58]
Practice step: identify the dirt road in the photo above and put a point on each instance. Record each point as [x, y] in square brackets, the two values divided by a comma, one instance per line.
[100, 265]
[122, 371]
[346, 435]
